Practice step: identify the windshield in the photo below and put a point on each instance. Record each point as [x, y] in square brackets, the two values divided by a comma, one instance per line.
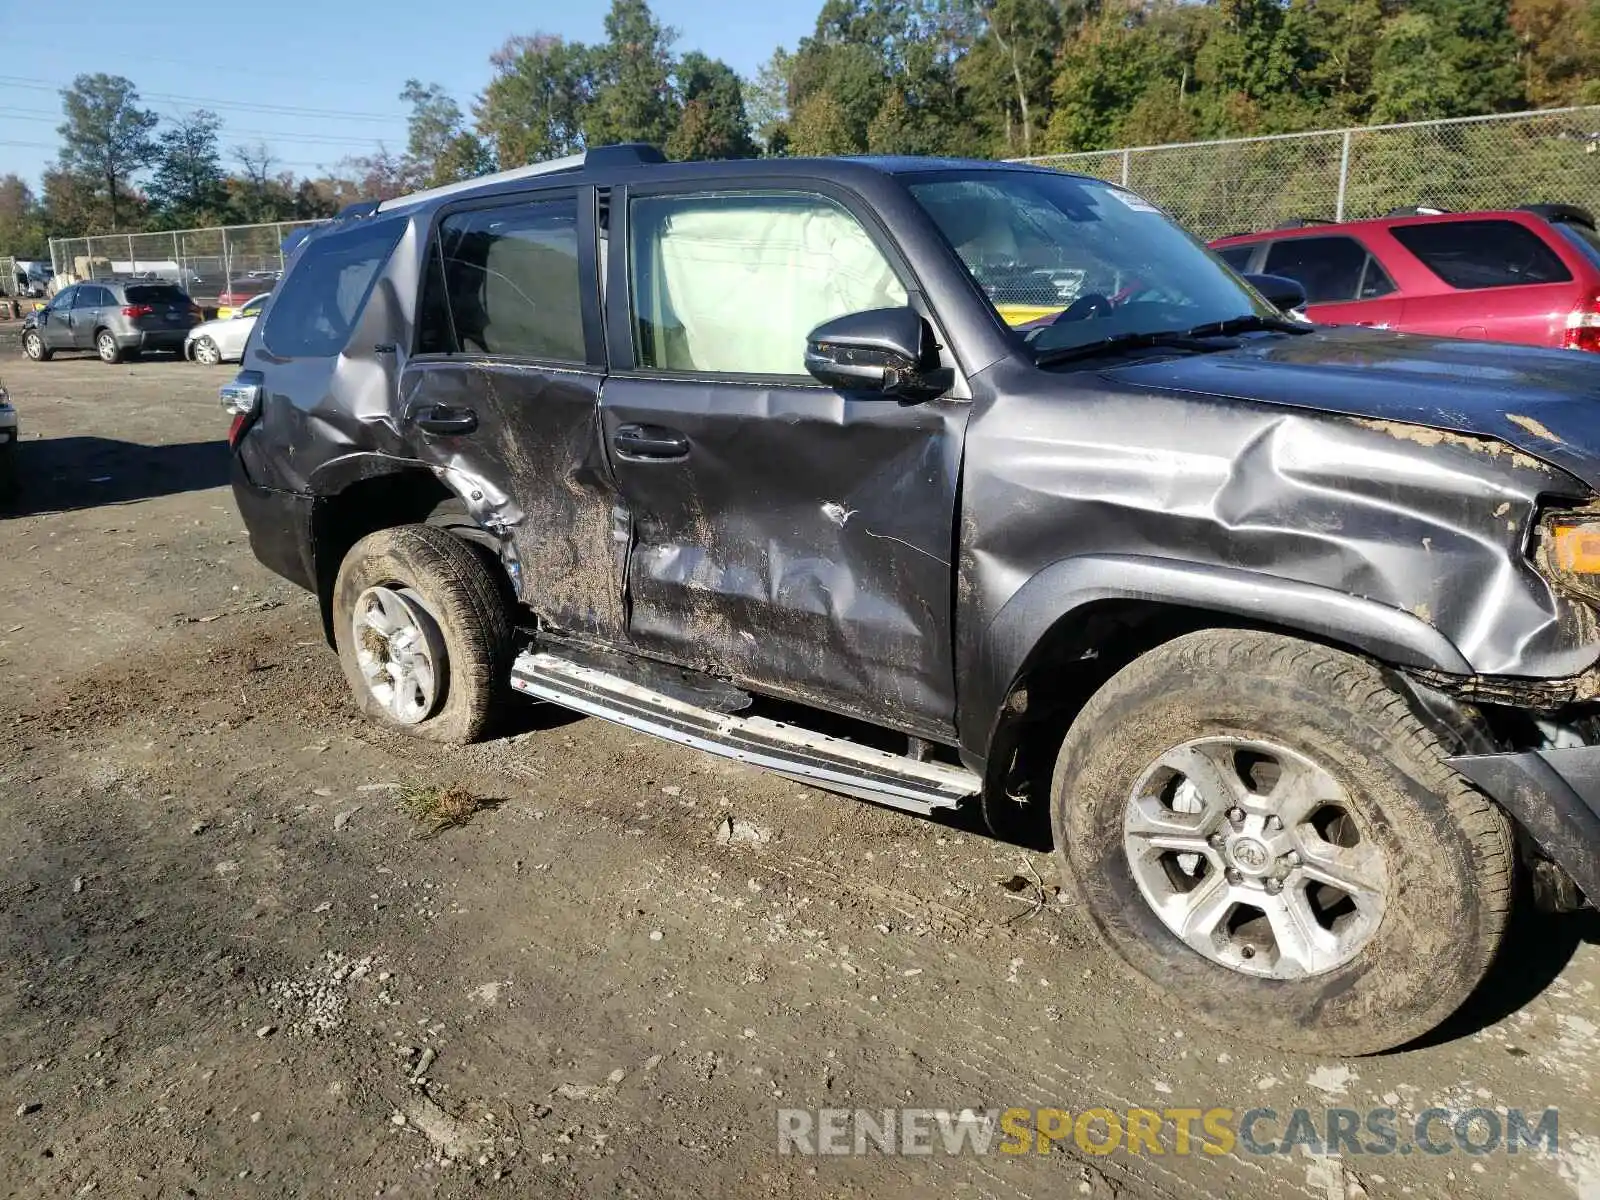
[1068, 261]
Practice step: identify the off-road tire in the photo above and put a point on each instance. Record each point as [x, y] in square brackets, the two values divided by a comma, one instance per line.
[1449, 850]
[105, 345]
[459, 592]
[33, 346]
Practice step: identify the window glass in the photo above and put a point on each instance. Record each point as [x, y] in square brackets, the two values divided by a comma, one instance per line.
[253, 309]
[1237, 257]
[1482, 254]
[64, 299]
[1068, 261]
[736, 283]
[508, 284]
[156, 293]
[1375, 281]
[323, 295]
[1329, 268]
[89, 297]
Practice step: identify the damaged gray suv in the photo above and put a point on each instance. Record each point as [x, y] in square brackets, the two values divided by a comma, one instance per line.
[942, 483]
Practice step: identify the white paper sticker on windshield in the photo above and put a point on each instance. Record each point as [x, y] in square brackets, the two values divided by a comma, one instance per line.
[1137, 203]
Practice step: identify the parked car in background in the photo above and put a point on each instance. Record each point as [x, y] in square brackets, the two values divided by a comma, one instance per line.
[1529, 275]
[10, 434]
[223, 340]
[254, 284]
[112, 318]
[1282, 625]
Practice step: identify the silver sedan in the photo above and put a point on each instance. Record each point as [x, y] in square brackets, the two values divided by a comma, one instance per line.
[223, 340]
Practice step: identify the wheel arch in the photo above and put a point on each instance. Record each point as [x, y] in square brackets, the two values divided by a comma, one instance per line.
[1105, 611]
[359, 494]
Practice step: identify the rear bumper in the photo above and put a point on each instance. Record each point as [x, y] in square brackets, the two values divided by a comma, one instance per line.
[279, 524]
[153, 339]
[1555, 795]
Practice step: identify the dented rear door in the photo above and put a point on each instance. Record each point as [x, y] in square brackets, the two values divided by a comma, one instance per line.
[781, 533]
[502, 397]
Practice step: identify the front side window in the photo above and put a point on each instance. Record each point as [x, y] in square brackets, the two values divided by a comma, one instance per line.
[735, 283]
[1329, 268]
[327, 288]
[253, 309]
[1069, 261]
[64, 299]
[1482, 254]
[506, 281]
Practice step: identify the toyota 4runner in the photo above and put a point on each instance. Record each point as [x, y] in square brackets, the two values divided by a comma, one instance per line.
[940, 482]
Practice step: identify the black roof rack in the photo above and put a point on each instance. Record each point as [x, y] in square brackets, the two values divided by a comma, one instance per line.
[1556, 214]
[1417, 210]
[624, 154]
[1302, 222]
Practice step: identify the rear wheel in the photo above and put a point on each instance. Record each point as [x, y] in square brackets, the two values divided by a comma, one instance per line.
[105, 344]
[33, 346]
[1262, 829]
[423, 634]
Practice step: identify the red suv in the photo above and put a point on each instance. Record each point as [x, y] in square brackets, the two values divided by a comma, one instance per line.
[1522, 275]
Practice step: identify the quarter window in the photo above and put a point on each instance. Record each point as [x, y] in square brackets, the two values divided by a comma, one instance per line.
[505, 281]
[326, 290]
[1482, 254]
[734, 284]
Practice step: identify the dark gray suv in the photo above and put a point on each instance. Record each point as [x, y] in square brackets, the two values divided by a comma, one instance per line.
[947, 483]
[112, 318]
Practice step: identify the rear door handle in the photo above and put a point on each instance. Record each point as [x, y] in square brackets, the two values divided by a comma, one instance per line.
[651, 442]
[445, 420]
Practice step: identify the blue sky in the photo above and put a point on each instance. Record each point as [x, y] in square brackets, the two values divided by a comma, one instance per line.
[340, 59]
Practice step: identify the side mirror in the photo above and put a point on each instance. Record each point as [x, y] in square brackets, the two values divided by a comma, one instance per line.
[1282, 293]
[880, 350]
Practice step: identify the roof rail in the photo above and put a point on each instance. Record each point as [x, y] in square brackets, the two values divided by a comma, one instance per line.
[625, 154]
[1418, 210]
[1302, 222]
[571, 163]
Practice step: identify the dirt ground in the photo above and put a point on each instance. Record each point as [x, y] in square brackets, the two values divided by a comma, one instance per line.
[230, 966]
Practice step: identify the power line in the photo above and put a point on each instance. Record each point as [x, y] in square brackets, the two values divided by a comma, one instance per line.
[282, 110]
[9, 113]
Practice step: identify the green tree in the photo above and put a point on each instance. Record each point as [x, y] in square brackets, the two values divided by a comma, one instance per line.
[1414, 78]
[634, 101]
[186, 187]
[767, 101]
[439, 147]
[22, 231]
[712, 123]
[534, 107]
[820, 127]
[106, 137]
[1008, 69]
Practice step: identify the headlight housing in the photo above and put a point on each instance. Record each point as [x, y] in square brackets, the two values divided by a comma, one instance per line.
[1568, 552]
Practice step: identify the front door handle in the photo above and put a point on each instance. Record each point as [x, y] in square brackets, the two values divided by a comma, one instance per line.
[650, 441]
[444, 419]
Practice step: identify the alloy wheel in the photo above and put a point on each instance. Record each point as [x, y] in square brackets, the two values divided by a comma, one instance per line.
[400, 651]
[1253, 855]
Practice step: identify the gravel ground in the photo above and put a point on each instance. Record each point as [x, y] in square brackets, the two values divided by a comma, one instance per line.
[234, 965]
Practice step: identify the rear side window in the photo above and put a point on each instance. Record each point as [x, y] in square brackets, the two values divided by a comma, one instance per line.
[319, 303]
[1329, 268]
[1237, 257]
[506, 281]
[1482, 254]
[155, 294]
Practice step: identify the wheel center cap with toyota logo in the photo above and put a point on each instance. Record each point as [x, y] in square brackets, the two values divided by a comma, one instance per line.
[1249, 855]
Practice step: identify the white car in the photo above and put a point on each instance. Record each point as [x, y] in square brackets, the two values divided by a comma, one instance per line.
[223, 340]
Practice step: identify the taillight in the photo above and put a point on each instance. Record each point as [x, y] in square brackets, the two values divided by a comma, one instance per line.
[1583, 326]
[137, 310]
[240, 420]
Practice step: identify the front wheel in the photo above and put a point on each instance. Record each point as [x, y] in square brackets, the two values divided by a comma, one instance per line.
[33, 346]
[206, 352]
[423, 633]
[1262, 829]
[105, 344]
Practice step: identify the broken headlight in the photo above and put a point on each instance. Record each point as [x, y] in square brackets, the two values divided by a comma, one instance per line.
[1568, 551]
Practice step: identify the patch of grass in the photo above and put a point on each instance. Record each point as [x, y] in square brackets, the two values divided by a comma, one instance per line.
[437, 808]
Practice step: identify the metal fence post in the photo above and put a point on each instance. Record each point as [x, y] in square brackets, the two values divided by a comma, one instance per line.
[277, 232]
[1344, 177]
[1126, 156]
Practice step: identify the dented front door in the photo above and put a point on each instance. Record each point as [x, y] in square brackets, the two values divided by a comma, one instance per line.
[782, 533]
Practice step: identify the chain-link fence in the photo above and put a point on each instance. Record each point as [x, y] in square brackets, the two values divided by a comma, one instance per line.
[223, 263]
[1242, 185]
